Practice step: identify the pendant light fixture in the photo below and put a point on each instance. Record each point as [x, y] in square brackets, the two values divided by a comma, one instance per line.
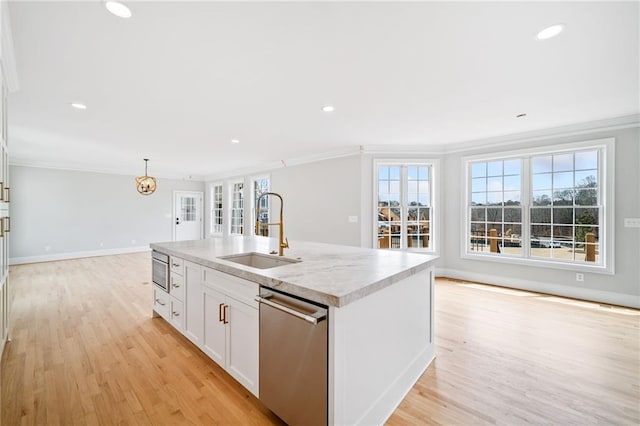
[146, 184]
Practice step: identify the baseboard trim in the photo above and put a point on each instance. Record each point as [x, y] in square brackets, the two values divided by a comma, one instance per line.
[388, 402]
[75, 255]
[608, 297]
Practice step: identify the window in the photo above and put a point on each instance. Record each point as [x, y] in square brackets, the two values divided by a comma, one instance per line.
[237, 208]
[404, 210]
[216, 209]
[544, 206]
[261, 186]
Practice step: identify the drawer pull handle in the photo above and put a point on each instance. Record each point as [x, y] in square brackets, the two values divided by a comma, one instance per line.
[220, 317]
[160, 302]
[176, 314]
[7, 199]
[175, 265]
[176, 285]
[225, 315]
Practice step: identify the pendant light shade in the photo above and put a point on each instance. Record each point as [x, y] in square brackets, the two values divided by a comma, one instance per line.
[146, 185]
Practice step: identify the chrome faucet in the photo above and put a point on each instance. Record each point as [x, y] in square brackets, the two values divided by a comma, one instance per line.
[283, 243]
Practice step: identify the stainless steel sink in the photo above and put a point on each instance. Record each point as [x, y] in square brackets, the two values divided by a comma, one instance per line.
[259, 260]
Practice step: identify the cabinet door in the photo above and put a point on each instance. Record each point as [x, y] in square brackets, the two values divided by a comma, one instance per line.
[214, 329]
[242, 344]
[194, 303]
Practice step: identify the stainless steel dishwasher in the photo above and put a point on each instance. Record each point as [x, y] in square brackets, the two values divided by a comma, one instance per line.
[293, 358]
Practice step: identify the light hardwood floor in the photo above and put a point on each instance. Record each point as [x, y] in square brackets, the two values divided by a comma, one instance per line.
[85, 350]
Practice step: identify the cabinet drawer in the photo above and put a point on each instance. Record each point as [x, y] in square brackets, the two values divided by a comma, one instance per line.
[176, 286]
[161, 302]
[176, 314]
[177, 265]
[239, 288]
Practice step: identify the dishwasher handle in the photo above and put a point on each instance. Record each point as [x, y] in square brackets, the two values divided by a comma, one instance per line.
[314, 318]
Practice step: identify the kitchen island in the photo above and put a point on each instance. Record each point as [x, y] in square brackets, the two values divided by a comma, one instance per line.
[380, 313]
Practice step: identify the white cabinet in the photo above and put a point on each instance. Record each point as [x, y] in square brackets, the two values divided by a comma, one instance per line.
[231, 326]
[194, 303]
[217, 312]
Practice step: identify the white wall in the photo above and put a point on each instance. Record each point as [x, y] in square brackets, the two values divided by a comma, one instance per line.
[621, 288]
[318, 200]
[61, 213]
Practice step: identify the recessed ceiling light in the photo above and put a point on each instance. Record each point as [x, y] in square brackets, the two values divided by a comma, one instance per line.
[550, 32]
[235, 141]
[78, 105]
[524, 114]
[328, 108]
[118, 9]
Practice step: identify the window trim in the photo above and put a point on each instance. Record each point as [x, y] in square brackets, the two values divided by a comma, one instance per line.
[606, 174]
[434, 164]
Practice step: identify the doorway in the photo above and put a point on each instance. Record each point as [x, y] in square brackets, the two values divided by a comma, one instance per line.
[187, 215]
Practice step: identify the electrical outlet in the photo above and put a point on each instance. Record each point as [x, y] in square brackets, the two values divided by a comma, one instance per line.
[47, 248]
[133, 241]
[632, 222]
[101, 244]
[353, 219]
[579, 277]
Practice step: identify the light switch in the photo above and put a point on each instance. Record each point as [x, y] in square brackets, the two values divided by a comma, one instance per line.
[353, 219]
[632, 222]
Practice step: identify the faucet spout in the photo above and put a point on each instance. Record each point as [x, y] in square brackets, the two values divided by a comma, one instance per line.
[283, 243]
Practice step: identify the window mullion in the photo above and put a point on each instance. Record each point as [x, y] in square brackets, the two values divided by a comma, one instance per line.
[404, 189]
[526, 210]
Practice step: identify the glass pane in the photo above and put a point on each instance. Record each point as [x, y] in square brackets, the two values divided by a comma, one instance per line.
[583, 233]
[423, 187]
[494, 198]
[541, 198]
[423, 173]
[412, 215]
[478, 170]
[383, 173]
[541, 215]
[424, 214]
[512, 198]
[587, 197]
[562, 234]
[563, 198]
[478, 214]
[541, 181]
[497, 227]
[586, 179]
[479, 198]
[423, 200]
[494, 183]
[494, 215]
[587, 216]
[562, 180]
[586, 160]
[540, 232]
[541, 164]
[562, 162]
[512, 167]
[494, 168]
[512, 215]
[512, 183]
[563, 215]
[479, 184]
[383, 189]
[394, 187]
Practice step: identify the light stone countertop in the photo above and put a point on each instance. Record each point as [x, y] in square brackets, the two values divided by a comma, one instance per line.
[329, 274]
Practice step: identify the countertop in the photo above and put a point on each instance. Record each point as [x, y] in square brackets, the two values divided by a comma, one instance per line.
[330, 274]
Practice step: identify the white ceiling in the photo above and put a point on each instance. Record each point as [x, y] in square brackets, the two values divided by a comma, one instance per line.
[177, 81]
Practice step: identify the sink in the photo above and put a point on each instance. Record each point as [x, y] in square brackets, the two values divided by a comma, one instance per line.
[259, 260]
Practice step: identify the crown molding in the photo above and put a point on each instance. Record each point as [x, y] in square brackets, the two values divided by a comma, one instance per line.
[609, 124]
[110, 171]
